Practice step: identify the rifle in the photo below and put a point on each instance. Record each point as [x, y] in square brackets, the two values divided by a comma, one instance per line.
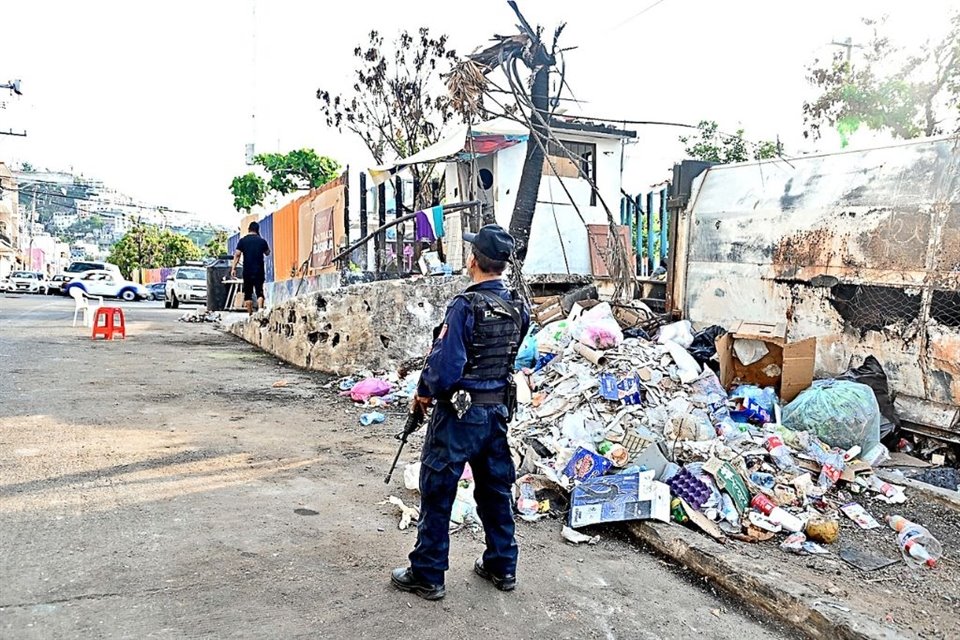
[415, 418]
[414, 421]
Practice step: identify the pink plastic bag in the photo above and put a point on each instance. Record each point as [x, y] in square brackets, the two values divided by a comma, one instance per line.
[366, 389]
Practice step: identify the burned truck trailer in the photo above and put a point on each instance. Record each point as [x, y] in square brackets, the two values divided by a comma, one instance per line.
[860, 249]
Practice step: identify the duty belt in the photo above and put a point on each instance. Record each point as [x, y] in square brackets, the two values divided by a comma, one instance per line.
[462, 400]
[489, 397]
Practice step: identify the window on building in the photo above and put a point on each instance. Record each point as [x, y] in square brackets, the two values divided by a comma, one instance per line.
[573, 160]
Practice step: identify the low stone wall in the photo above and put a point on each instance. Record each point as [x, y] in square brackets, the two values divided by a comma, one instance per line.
[277, 293]
[364, 326]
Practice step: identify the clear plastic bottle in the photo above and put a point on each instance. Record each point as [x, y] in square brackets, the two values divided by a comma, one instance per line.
[527, 504]
[781, 454]
[831, 461]
[917, 545]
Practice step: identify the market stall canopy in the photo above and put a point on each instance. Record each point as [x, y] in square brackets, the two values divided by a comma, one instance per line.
[485, 138]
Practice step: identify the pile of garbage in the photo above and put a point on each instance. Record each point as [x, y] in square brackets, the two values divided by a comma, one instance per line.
[614, 428]
[200, 316]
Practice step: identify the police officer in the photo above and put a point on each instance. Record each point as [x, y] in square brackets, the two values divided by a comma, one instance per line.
[468, 376]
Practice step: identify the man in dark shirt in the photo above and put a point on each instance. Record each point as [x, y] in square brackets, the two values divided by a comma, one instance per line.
[252, 248]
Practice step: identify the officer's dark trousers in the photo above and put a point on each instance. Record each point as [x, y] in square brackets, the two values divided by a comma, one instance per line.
[480, 438]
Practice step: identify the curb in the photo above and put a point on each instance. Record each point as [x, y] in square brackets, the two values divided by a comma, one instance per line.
[761, 588]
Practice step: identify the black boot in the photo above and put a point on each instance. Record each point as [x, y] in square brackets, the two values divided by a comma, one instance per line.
[504, 583]
[404, 580]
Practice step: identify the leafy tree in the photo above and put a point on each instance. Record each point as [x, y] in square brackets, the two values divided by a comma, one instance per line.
[398, 104]
[148, 247]
[298, 170]
[248, 191]
[907, 93]
[711, 145]
[216, 246]
[175, 248]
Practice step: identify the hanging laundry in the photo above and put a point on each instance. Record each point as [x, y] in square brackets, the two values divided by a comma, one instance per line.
[423, 227]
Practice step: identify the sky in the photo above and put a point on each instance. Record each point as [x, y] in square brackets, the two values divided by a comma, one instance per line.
[158, 99]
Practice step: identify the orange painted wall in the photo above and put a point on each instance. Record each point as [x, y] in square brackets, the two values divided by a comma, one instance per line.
[286, 234]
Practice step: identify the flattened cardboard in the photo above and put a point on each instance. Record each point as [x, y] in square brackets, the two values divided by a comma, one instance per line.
[788, 366]
[730, 481]
[626, 496]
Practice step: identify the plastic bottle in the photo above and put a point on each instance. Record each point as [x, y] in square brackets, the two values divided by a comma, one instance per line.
[784, 518]
[832, 469]
[831, 461]
[527, 503]
[893, 493]
[917, 544]
[781, 454]
[763, 480]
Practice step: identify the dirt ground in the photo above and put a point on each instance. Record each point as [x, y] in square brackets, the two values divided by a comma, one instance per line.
[921, 601]
[161, 487]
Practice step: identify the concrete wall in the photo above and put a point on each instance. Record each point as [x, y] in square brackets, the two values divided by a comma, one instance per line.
[365, 326]
[860, 249]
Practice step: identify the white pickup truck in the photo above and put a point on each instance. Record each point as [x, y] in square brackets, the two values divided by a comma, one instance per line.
[186, 284]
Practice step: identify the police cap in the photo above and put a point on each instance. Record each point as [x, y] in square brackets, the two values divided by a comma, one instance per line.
[493, 241]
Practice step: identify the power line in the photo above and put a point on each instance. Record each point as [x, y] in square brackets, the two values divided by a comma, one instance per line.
[637, 15]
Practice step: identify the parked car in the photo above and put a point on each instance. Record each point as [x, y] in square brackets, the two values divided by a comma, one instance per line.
[158, 291]
[82, 266]
[186, 283]
[26, 282]
[54, 286]
[109, 285]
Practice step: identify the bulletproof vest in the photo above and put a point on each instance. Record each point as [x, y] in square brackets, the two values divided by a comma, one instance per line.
[496, 338]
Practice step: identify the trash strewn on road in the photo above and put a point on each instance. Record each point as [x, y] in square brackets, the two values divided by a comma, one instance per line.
[667, 424]
[200, 316]
[629, 428]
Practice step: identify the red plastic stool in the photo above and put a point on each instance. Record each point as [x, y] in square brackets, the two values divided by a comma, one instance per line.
[108, 322]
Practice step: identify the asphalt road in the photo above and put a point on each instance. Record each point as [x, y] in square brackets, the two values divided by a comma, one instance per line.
[163, 487]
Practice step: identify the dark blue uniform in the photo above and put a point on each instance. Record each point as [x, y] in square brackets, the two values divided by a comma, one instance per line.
[480, 438]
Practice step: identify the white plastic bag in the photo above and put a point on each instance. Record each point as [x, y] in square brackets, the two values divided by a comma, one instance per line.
[411, 476]
[687, 367]
[679, 332]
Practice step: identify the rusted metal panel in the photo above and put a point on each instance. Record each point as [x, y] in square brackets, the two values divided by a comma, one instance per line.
[860, 249]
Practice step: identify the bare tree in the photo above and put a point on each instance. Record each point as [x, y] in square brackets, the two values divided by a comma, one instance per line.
[397, 104]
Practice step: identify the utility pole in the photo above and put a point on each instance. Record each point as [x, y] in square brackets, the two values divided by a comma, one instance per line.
[14, 86]
[848, 45]
[33, 217]
[539, 61]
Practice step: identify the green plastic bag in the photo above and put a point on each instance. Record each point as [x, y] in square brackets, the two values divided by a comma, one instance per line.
[841, 413]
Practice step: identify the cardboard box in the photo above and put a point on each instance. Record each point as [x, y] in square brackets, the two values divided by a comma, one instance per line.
[625, 496]
[787, 366]
[586, 464]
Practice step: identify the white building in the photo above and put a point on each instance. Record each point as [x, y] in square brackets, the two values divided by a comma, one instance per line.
[558, 238]
[56, 254]
[566, 203]
[9, 221]
[63, 219]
